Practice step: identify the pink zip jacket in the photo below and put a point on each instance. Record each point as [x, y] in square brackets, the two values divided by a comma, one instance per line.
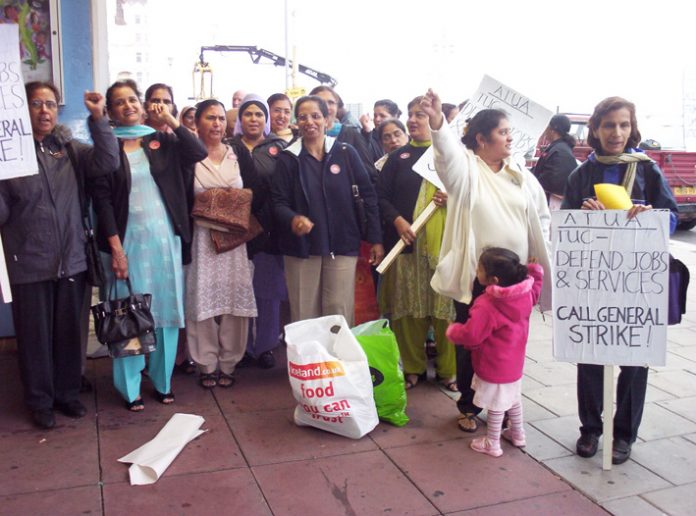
[498, 326]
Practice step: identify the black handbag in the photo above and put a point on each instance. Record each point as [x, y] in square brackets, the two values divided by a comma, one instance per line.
[358, 201]
[125, 325]
[95, 267]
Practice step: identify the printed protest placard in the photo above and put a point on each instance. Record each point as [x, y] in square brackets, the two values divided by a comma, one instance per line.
[17, 155]
[610, 280]
[527, 121]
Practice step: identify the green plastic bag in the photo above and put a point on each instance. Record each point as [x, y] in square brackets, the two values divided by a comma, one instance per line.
[382, 350]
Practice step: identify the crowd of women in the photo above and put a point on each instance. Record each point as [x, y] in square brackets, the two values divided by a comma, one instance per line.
[215, 309]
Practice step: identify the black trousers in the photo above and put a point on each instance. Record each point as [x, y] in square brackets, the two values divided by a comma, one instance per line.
[630, 399]
[47, 324]
[465, 369]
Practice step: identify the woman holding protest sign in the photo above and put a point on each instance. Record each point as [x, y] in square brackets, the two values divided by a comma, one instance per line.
[405, 292]
[44, 240]
[493, 202]
[614, 137]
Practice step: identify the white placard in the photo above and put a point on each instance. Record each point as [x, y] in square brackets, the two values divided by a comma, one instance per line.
[527, 120]
[17, 154]
[610, 280]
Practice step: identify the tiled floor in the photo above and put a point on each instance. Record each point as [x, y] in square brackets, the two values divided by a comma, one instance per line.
[254, 460]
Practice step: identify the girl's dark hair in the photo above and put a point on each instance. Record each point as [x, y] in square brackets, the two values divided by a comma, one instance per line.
[276, 97]
[503, 264]
[205, 104]
[603, 109]
[31, 87]
[483, 123]
[313, 98]
[161, 86]
[398, 123]
[391, 107]
[124, 83]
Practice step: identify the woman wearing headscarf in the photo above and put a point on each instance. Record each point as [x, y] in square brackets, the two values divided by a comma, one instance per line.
[318, 228]
[405, 292]
[253, 136]
[142, 222]
[187, 118]
[219, 294]
[556, 161]
[492, 203]
[44, 242]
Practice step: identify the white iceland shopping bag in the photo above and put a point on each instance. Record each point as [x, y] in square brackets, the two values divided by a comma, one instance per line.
[330, 377]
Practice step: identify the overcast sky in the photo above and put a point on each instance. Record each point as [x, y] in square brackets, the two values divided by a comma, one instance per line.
[565, 55]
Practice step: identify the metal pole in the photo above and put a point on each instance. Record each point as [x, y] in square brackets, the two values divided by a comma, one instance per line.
[287, 49]
[608, 413]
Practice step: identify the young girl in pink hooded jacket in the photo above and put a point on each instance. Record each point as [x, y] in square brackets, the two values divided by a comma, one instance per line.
[496, 333]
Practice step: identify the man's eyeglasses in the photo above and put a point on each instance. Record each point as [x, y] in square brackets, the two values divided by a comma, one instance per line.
[38, 104]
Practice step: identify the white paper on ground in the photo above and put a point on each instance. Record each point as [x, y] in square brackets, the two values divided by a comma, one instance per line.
[151, 460]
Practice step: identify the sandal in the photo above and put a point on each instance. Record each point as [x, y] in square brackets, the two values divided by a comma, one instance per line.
[165, 399]
[412, 379]
[449, 384]
[207, 380]
[467, 422]
[226, 380]
[137, 405]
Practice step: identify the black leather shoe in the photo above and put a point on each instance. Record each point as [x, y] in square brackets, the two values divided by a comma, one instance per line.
[72, 408]
[620, 451]
[44, 418]
[266, 360]
[587, 445]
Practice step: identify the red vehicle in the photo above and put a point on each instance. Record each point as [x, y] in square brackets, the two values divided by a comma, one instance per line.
[679, 168]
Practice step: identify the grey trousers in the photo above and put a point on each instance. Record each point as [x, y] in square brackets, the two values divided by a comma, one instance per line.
[321, 285]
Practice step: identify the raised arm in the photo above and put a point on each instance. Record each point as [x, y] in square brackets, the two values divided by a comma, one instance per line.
[451, 163]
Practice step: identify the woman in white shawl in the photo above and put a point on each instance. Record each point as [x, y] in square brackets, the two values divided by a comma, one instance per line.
[493, 202]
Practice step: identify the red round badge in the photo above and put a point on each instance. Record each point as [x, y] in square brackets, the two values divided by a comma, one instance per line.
[154, 145]
[273, 151]
[335, 169]
[405, 155]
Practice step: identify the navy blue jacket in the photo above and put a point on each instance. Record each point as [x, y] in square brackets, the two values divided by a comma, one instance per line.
[290, 198]
[649, 186]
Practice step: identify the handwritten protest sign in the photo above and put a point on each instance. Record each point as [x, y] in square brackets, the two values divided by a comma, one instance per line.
[527, 120]
[610, 283]
[17, 155]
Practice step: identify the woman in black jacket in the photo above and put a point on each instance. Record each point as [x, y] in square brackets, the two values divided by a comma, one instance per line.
[143, 220]
[614, 136]
[314, 211]
[44, 241]
[253, 135]
[556, 161]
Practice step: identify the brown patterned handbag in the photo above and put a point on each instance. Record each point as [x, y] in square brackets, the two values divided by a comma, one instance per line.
[226, 241]
[223, 209]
